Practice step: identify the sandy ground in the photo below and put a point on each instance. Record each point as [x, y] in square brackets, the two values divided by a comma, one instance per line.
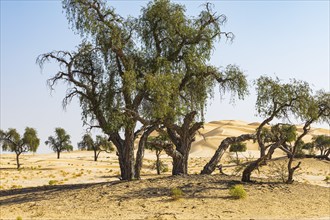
[76, 187]
[205, 197]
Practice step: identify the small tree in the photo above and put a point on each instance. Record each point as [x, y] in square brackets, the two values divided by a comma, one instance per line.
[158, 144]
[100, 145]
[13, 142]
[322, 143]
[61, 142]
[237, 147]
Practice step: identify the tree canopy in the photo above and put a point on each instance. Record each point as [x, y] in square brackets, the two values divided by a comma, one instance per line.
[60, 142]
[13, 142]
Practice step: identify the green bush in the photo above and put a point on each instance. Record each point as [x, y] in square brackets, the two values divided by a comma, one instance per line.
[238, 192]
[19, 218]
[176, 193]
[52, 182]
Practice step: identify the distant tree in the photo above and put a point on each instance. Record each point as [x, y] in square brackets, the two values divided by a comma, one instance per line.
[60, 142]
[158, 144]
[13, 142]
[237, 147]
[101, 144]
[322, 143]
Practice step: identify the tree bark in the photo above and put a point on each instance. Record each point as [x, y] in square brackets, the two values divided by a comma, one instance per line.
[95, 155]
[180, 164]
[58, 154]
[182, 137]
[246, 176]
[140, 152]
[158, 162]
[17, 160]
[211, 165]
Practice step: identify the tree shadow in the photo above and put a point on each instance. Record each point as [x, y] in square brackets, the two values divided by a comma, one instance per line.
[34, 194]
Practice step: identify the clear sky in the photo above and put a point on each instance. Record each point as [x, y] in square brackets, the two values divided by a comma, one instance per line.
[288, 39]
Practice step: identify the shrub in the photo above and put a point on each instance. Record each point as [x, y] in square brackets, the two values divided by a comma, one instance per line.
[19, 218]
[238, 192]
[176, 193]
[52, 182]
[327, 178]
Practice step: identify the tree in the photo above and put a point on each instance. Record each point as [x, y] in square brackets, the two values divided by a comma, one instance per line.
[118, 72]
[275, 100]
[101, 144]
[60, 142]
[322, 143]
[13, 142]
[237, 147]
[182, 46]
[158, 144]
[315, 109]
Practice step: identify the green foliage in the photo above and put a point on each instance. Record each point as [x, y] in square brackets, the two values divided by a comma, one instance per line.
[19, 218]
[327, 178]
[279, 100]
[238, 147]
[60, 142]
[53, 182]
[13, 142]
[238, 192]
[176, 193]
[322, 143]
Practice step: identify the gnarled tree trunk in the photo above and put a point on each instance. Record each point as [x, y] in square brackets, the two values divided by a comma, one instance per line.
[211, 165]
[125, 152]
[140, 152]
[246, 176]
[182, 137]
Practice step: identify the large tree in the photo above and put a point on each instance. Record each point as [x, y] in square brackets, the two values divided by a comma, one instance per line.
[101, 144]
[182, 47]
[150, 69]
[13, 142]
[60, 142]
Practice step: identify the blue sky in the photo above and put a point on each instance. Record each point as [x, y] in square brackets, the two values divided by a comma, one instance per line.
[288, 39]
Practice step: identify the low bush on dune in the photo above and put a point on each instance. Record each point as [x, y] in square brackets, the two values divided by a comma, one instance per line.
[238, 192]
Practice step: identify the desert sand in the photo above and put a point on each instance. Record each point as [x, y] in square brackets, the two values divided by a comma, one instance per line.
[76, 187]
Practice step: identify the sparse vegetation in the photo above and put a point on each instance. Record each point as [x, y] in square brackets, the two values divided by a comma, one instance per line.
[238, 192]
[176, 193]
[53, 182]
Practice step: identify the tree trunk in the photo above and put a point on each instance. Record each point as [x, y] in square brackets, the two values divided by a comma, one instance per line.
[211, 165]
[158, 162]
[246, 176]
[182, 137]
[180, 164]
[95, 155]
[291, 169]
[58, 154]
[17, 160]
[140, 152]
